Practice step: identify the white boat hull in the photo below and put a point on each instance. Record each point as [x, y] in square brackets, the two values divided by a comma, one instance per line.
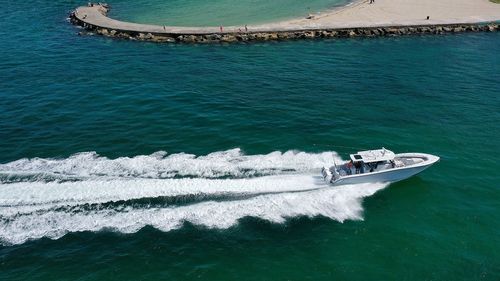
[389, 175]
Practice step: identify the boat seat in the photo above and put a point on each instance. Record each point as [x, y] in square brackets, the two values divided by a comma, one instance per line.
[398, 163]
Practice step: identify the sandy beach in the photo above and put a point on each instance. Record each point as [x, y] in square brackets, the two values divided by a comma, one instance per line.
[405, 12]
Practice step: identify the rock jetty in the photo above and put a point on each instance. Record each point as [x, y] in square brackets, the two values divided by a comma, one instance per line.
[93, 19]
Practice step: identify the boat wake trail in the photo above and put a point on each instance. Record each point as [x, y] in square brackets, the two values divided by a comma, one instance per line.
[159, 165]
[86, 192]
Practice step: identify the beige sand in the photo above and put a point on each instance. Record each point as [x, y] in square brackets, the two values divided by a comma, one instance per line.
[358, 14]
[402, 12]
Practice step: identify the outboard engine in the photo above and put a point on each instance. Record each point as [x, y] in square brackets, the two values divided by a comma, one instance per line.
[329, 174]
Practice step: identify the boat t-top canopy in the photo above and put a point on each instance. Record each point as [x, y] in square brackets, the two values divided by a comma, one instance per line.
[370, 156]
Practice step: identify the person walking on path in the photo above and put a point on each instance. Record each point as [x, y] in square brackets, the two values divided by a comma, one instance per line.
[221, 29]
[246, 28]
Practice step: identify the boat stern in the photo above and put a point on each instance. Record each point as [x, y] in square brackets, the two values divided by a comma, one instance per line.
[327, 174]
[330, 175]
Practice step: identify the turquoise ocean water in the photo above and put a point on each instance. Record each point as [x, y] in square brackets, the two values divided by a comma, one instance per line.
[138, 161]
[217, 12]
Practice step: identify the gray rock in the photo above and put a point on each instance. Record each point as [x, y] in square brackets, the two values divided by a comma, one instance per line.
[228, 38]
[425, 29]
[189, 38]
[272, 36]
[283, 35]
[309, 34]
[241, 37]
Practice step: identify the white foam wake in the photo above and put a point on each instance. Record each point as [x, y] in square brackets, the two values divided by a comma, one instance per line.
[229, 163]
[120, 201]
[91, 192]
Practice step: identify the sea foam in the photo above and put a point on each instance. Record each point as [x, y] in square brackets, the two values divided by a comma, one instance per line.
[229, 163]
[126, 194]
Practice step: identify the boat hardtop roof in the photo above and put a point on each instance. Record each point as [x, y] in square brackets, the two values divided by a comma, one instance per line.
[370, 156]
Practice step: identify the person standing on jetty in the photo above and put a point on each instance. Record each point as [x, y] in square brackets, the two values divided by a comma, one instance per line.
[221, 28]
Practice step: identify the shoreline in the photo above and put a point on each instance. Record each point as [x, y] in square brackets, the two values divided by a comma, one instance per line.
[356, 19]
[331, 9]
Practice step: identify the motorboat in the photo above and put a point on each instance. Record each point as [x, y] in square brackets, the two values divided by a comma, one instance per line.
[379, 165]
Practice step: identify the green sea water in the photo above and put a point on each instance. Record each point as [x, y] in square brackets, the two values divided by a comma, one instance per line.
[128, 160]
[217, 12]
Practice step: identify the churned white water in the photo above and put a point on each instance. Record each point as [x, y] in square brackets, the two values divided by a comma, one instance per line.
[229, 163]
[92, 193]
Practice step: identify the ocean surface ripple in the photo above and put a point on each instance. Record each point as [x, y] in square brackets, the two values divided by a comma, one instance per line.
[138, 161]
